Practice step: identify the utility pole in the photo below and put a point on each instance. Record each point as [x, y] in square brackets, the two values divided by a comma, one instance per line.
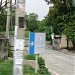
[8, 18]
[19, 37]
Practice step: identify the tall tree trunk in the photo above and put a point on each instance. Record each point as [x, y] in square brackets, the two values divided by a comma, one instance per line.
[3, 48]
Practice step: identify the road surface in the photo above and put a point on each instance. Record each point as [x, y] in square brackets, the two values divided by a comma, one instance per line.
[59, 63]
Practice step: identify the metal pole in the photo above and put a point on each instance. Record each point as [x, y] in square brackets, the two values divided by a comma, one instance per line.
[36, 65]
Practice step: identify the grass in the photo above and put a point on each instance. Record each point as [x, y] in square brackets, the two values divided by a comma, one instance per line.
[6, 68]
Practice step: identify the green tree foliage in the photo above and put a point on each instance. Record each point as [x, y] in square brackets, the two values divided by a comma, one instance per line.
[62, 18]
[3, 6]
[32, 22]
[2, 21]
[42, 27]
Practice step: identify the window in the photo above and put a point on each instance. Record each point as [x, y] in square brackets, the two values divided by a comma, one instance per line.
[21, 22]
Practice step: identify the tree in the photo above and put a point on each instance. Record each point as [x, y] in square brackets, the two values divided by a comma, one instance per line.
[3, 7]
[42, 27]
[2, 21]
[3, 40]
[3, 4]
[32, 22]
[61, 17]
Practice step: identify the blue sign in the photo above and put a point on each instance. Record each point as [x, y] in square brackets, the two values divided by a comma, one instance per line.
[32, 38]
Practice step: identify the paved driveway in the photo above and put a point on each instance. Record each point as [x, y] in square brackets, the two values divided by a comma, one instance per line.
[59, 63]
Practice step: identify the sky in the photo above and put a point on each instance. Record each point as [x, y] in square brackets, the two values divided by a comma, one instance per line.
[39, 7]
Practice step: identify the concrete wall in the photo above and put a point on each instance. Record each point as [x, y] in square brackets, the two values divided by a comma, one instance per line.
[63, 43]
[70, 44]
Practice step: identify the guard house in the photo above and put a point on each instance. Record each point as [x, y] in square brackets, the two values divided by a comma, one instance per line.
[57, 41]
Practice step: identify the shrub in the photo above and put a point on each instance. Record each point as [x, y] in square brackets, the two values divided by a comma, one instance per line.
[42, 69]
[26, 34]
[30, 57]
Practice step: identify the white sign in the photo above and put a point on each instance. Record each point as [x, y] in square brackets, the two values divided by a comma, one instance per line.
[37, 43]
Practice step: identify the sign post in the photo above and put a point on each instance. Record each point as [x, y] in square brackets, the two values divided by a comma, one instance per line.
[36, 65]
[52, 36]
[36, 45]
[19, 38]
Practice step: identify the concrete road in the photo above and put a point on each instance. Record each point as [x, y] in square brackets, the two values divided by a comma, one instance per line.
[59, 63]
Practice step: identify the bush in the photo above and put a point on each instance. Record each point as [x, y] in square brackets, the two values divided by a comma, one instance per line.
[41, 61]
[30, 57]
[26, 34]
[42, 69]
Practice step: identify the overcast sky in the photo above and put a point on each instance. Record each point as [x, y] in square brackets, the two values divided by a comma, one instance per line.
[39, 7]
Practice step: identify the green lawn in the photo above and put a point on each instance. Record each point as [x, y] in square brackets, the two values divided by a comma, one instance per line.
[6, 68]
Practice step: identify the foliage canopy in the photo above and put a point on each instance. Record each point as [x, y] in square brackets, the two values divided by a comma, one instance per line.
[61, 18]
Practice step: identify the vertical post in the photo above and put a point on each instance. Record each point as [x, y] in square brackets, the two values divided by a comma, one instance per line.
[52, 35]
[36, 65]
[8, 18]
[19, 37]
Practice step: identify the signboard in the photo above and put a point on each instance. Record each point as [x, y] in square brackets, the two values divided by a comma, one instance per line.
[37, 43]
[31, 43]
